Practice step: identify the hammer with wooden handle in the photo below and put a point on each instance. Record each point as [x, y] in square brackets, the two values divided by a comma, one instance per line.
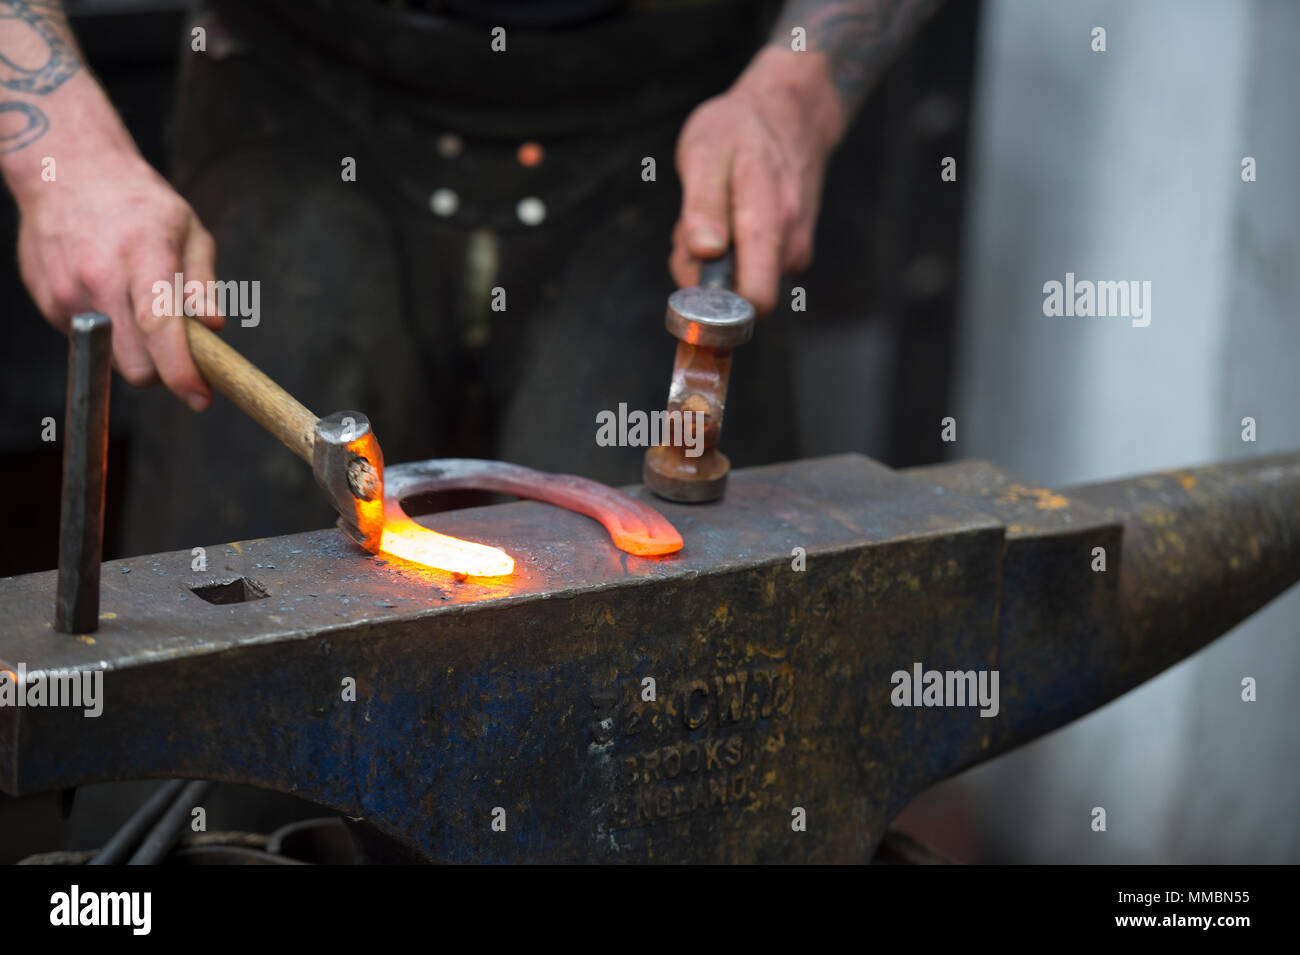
[341, 448]
[349, 466]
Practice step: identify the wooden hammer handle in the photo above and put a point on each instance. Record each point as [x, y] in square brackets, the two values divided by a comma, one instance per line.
[257, 395]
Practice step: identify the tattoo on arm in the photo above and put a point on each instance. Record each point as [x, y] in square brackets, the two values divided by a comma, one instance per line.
[859, 37]
[37, 56]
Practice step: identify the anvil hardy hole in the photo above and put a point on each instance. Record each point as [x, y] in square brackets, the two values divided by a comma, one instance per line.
[235, 591]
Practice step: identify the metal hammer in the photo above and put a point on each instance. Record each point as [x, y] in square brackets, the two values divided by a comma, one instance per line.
[708, 320]
[341, 448]
[349, 465]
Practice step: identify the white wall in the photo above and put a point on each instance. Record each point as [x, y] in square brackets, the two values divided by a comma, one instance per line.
[1126, 165]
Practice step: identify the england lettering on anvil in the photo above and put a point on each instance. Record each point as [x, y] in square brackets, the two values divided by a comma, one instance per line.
[924, 687]
[49, 688]
[637, 429]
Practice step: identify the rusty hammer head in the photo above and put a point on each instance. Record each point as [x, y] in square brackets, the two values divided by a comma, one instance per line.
[708, 321]
[349, 467]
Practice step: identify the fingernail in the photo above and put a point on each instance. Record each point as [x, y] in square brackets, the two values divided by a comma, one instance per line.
[708, 240]
[197, 402]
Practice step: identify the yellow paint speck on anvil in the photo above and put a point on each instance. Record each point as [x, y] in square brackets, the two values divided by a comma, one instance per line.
[1044, 499]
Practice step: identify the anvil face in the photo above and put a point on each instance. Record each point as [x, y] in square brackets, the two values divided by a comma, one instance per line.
[599, 706]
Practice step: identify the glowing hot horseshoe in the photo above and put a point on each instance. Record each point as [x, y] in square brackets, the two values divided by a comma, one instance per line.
[634, 526]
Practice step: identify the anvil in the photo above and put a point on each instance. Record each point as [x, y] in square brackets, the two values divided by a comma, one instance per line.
[599, 706]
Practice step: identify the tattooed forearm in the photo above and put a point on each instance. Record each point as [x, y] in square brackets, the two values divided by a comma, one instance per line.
[37, 56]
[35, 123]
[859, 37]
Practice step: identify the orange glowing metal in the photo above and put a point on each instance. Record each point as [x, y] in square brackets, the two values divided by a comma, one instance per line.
[395, 534]
[410, 541]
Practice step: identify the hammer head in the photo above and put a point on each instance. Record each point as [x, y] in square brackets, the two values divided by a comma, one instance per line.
[349, 467]
[708, 323]
[710, 317]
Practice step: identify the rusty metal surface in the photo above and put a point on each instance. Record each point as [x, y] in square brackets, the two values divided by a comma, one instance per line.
[1203, 548]
[772, 684]
[709, 321]
[1054, 609]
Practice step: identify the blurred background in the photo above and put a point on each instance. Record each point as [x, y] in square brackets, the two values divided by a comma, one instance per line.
[1128, 164]
[1123, 164]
